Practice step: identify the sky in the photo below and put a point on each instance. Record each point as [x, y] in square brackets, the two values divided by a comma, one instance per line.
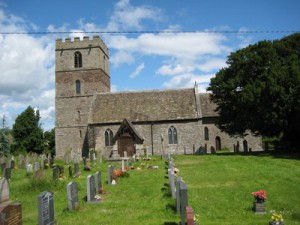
[138, 61]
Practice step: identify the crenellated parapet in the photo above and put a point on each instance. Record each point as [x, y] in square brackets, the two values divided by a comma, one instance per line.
[86, 42]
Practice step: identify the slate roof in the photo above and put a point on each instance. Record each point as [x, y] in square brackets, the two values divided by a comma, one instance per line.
[207, 107]
[145, 106]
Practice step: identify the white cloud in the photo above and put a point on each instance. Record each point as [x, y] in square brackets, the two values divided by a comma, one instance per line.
[188, 80]
[171, 69]
[121, 57]
[127, 16]
[26, 68]
[212, 64]
[137, 71]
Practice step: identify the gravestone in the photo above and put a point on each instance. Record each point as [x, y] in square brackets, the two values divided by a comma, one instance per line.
[11, 214]
[3, 166]
[55, 173]
[76, 168]
[177, 184]
[172, 182]
[4, 190]
[190, 216]
[29, 169]
[98, 182]
[37, 166]
[110, 172]
[12, 164]
[7, 173]
[70, 171]
[46, 208]
[90, 187]
[183, 201]
[72, 196]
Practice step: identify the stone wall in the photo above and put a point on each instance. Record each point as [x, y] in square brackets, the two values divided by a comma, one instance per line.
[190, 137]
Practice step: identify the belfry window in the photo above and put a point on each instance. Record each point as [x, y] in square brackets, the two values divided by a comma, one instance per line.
[78, 87]
[206, 134]
[172, 133]
[108, 137]
[77, 59]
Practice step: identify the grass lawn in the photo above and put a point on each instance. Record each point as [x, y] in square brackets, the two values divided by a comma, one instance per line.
[219, 190]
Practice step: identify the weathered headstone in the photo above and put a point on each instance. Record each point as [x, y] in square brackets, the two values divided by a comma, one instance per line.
[37, 166]
[3, 166]
[4, 190]
[55, 173]
[7, 173]
[70, 171]
[183, 201]
[11, 214]
[91, 189]
[72, 196]
[29, 169]
[46, 208]
[110, 171]
[12, 164]
[98, 182]
[76, 168]
[172, 182]
[177, 184]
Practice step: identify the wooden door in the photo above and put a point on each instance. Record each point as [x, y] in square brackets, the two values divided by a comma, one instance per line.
[126, 143]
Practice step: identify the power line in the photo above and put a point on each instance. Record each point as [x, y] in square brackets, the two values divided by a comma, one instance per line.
[157, 32]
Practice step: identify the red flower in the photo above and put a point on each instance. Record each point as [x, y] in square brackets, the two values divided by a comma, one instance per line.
[260, 196]
[117, 173]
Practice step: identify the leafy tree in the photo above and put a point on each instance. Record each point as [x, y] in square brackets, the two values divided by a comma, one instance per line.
[4, 142]
[259, 90]
[49, 141]
[27, 133]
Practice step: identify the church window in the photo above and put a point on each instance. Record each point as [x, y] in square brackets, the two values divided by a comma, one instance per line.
[78, 87]
[172, 133]
[206, 134]
[80, 133]
[77, 59]
[108, 137]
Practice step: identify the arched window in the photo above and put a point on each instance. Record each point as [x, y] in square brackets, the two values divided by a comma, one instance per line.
[206, 134]
[172, 133]
[78, 87]
[77, 59]
[108, 137]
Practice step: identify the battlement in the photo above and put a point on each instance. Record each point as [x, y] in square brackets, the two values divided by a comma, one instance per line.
[86, 42]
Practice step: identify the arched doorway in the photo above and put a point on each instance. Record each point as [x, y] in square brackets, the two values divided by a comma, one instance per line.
[245, 146]
[218, 143]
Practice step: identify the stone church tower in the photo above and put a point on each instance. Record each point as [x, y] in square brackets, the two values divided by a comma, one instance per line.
[82, 69]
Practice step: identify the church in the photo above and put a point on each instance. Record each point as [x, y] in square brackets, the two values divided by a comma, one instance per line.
[89, 117]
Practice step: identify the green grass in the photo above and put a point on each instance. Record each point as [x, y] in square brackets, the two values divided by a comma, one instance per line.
[219, 190]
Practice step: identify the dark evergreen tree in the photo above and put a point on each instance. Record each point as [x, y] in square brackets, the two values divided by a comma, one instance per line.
[27, 132]
[259, 90]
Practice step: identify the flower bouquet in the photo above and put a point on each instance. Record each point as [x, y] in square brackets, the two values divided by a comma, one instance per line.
[260, 196]
[277, 218]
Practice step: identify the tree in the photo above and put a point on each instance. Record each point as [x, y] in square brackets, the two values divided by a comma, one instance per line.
[4, 143]
[49, 141]
[259, 90]
[27, 132]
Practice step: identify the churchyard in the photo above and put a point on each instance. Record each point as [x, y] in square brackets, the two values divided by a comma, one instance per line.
[217, 188]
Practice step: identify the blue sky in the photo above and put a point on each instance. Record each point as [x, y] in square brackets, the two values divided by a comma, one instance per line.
[139, 61]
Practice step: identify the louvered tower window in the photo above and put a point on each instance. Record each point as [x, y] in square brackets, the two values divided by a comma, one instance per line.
[77, 59]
